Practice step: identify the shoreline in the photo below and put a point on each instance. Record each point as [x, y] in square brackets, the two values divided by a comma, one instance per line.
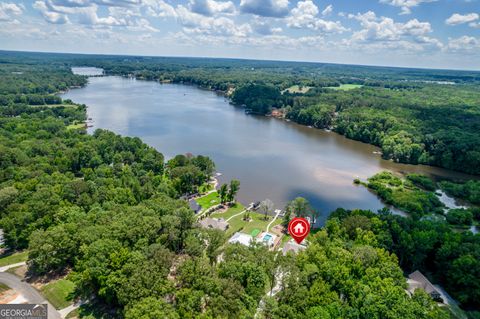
[464, 176]
[335, 133]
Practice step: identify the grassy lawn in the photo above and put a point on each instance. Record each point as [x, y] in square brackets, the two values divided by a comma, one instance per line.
[14, 258]
[59, 292]
[3, 288]
[345, 87]
[208, 200]
[235, 209]
[73, 314]
[76, 126]
[258, 223]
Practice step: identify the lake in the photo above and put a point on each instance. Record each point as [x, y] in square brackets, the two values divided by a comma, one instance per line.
[272, 158]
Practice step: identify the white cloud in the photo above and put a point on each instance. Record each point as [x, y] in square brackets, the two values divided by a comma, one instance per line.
[327, 11]
[385, 33]
[265, 8]
[86, 3]
[211, 7]
[464, 43]
[122, 13]
[457, 18]
[195, 23]
[305, 15]
[264, 28]
[160, 9]
[8, 10]
[50, 15]
[386, 29]
[406, 5]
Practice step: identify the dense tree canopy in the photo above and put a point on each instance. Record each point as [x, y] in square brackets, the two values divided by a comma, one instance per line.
[107, 208]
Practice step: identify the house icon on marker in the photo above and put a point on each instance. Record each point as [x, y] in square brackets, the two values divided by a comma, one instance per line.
[299, 229]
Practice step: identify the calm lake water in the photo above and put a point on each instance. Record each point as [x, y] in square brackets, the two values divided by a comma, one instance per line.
[272, 158]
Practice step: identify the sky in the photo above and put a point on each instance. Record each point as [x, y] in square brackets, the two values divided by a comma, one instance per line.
[412, 33]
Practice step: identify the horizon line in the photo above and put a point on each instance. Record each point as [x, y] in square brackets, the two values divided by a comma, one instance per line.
[242, 58]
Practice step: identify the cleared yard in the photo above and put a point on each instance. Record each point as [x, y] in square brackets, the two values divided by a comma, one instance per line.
[257, 222]
[14, 258]
[235, 209]
[209, 200]
[76, 126]
[59, 293]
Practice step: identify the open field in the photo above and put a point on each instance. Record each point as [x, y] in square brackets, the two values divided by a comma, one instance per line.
[345, 87]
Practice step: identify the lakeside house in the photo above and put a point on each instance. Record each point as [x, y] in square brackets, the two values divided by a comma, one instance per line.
[292, 246]
[241, 238]
[194, 206]
[278, 113]
[214, 223]
[416, 280]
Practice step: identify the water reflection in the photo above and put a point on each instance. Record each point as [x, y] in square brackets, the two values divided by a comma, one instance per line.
[272, 158]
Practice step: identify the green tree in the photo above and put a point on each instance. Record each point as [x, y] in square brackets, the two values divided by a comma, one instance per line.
[222, 193]
[265, 207]
[233, 190]
[151, 308]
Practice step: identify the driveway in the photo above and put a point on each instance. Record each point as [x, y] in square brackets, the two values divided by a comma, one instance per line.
[28, 292]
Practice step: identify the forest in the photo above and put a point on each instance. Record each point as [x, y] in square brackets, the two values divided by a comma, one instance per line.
[106, 210]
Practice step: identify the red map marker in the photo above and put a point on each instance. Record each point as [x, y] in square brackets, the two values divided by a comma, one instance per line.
[299, 228]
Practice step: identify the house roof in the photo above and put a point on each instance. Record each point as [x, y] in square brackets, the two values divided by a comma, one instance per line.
[241, 238]
[418, 280]
[292, 246]
[217, 223]
[194, 205]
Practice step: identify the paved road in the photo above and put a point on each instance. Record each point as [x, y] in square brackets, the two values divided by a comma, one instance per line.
[28, 292]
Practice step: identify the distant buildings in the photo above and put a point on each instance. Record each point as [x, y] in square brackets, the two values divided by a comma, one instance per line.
[215, 223]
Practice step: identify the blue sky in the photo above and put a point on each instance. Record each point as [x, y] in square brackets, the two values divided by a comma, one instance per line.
[416, 33]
